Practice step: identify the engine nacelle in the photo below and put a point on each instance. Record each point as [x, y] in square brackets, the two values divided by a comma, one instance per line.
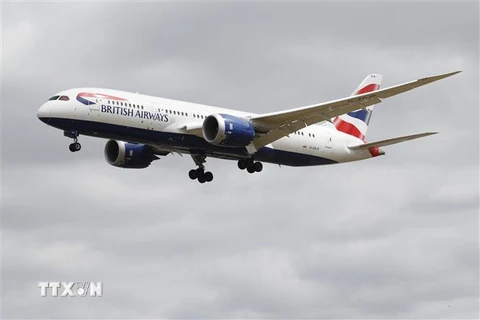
[128, 155]
[227, 130]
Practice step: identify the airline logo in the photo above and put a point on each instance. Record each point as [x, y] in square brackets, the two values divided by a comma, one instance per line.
[88, 98]
[355, 123]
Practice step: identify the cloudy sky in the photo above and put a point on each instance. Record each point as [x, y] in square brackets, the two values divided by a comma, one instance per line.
[391, 237]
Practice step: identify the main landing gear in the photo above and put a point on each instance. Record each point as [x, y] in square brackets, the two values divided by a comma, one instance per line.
[250, 165]
[75, 146]
[200, 173]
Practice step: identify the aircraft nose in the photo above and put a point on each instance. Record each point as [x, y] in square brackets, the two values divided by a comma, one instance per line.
[43, 113]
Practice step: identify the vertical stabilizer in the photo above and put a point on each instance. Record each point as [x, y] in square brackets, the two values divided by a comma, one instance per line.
[355, 123]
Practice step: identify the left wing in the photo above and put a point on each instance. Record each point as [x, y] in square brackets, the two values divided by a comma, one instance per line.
[273, 126]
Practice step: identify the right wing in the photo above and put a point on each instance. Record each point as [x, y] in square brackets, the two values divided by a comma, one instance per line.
[273, 126]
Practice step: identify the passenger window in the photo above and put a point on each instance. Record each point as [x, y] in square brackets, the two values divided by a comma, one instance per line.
[142, 107]
[53, 98]
[130, 105]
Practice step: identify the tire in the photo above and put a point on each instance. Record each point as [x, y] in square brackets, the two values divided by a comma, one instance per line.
[77, 146]
[71, 147]
[258, 166]
[250, 169]
[201, 179]
[192, 174]
[242, 165]
[208, 176]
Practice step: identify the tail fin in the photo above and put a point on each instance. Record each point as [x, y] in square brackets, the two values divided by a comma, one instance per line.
[355, 123]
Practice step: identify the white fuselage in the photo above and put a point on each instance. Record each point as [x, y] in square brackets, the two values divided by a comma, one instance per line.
[163, 124]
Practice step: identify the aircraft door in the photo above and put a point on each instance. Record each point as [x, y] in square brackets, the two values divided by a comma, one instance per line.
[94, 108]
[328, 144]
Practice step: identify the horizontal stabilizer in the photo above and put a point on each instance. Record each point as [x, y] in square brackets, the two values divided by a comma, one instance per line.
[383, 143]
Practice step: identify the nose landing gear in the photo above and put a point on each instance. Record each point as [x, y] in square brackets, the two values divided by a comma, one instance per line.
[75, 146]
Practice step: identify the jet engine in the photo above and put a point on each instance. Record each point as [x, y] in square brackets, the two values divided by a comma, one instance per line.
[227, 130]
[128, 155]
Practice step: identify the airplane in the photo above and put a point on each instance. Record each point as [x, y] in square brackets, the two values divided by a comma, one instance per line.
[143, 128]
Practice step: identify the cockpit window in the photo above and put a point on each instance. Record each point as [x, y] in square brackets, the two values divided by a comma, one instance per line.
[64, 98]
[53, 98]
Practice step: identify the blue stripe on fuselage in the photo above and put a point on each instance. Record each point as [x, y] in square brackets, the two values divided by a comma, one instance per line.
[187, 142]
[84, 101]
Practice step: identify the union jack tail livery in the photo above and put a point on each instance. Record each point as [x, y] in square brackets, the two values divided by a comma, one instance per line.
[355, 123]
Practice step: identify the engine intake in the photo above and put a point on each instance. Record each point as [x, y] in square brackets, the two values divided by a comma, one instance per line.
[128, 155]
[227, 130]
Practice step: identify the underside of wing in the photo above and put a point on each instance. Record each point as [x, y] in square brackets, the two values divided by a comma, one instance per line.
[193, 129]
[159, 151]
[273, 126]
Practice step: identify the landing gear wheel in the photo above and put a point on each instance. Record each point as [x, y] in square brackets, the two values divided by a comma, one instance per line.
[200, 173]
[74, 147]
[250, 169]
[258, 166]
[192, 174]
[208, 176]
[242, 164]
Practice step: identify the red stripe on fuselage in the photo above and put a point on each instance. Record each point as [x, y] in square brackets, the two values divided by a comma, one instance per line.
[98, 95]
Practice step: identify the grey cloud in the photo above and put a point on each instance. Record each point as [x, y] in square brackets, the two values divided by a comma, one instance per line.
[393, 237]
